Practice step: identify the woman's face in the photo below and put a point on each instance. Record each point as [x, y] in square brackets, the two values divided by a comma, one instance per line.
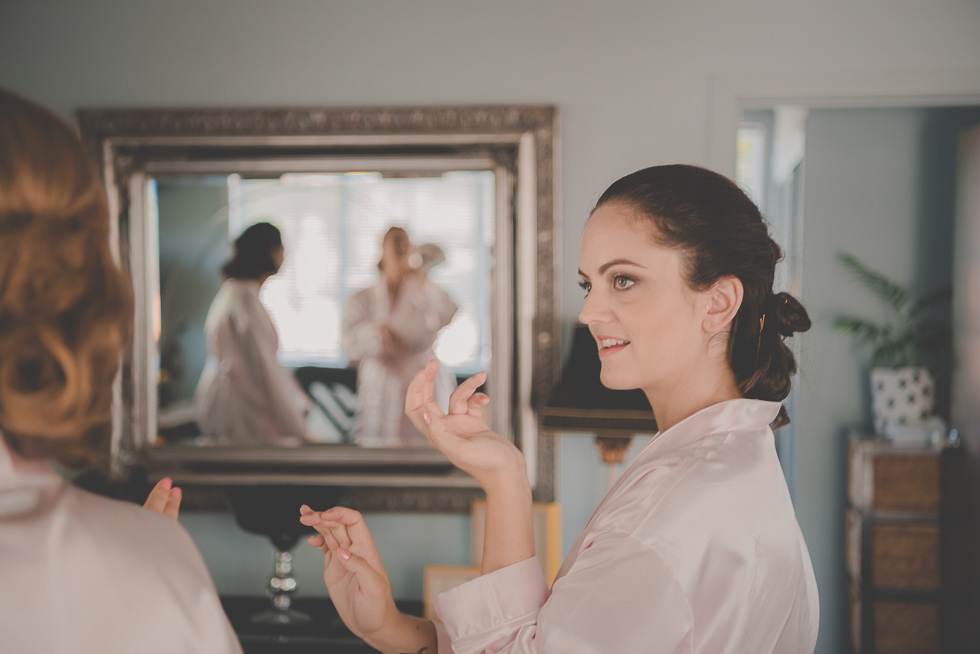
[642, 313]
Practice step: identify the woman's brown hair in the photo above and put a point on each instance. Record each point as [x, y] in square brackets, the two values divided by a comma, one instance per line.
[720, 230]
[64, 303]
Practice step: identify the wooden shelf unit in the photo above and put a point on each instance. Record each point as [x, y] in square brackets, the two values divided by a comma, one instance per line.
[895, 542]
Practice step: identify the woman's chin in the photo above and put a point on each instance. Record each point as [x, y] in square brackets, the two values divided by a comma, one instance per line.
[615, 383]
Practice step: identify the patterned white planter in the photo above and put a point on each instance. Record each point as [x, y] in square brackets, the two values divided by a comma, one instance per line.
[901, 395]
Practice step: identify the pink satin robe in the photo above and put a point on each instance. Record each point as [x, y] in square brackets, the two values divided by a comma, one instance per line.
[82, 573]
[245, 396]
[421, 311]
[696, 549]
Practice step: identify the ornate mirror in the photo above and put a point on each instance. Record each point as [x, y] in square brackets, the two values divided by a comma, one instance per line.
[472, 188]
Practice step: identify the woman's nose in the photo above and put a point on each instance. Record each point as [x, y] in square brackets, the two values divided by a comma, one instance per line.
[592, 309]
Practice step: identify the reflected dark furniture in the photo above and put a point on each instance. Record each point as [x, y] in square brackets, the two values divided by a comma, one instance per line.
[337, 395]
[324, 634]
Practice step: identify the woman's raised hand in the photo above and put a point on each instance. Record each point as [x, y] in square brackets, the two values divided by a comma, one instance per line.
[352, 569]
[359, 586]
[164, 498]
[462, 434]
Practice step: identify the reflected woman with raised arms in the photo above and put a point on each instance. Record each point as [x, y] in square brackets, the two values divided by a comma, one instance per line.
[389, 330]
[696, 548]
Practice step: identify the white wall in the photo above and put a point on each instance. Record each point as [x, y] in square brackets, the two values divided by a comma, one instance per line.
[631, 78]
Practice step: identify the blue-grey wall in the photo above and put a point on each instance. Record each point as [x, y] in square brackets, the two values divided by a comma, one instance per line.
[194, 244]
[880, 185]
[631, 79]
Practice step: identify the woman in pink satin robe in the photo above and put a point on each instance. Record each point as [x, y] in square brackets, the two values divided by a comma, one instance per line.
[80, 572]
[244, 395]
[389, 330]
[696, 548]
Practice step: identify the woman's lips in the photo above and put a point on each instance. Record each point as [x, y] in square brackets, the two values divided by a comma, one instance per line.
[609, 345]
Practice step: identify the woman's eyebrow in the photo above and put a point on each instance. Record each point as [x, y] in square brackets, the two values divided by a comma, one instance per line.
[615, 262]
[606, 266]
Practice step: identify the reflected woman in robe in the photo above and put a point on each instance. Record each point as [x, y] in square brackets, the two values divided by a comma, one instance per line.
[244, 395]
[389, 330]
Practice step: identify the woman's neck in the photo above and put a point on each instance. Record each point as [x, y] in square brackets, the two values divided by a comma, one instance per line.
[256, 281]
[682, 398]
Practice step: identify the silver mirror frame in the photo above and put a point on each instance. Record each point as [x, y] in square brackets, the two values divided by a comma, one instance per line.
[521, 140]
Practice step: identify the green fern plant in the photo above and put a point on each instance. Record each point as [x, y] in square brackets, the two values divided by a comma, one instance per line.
[909, 337]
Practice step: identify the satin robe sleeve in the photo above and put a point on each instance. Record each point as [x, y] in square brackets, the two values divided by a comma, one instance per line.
[619, 596]
[258, 343]
[362, 330]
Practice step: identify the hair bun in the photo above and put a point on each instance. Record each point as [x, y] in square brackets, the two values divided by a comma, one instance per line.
[786, 314]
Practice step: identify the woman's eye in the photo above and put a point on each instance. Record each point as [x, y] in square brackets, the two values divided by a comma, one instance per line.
[585, 286]
[622, 282]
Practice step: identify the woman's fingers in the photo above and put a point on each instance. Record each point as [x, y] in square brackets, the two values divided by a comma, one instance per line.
[164, 498]
[459, 400]
[421, 388]
[343, 527]
[475, 404]
[330, 538]
[335, 534]
[157, 499]
[419, 405]
[172, 509]
[365, 573]
[360, 536]
[318, 542]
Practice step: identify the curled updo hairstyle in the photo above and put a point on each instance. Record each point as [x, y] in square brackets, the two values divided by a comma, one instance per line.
[721, 233]
[252, 256]
[65, 306]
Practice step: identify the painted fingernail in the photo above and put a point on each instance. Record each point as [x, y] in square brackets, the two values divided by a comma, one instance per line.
[344, 554]
[426, 417]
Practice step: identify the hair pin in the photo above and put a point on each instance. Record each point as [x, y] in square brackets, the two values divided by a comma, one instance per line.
[762, 324]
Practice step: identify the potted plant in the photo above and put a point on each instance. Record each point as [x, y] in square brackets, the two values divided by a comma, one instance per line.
[903, 348]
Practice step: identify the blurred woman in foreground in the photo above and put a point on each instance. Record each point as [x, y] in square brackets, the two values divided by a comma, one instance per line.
[81, 572]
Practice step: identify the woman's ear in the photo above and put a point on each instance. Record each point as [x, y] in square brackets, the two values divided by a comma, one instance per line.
[722, 302]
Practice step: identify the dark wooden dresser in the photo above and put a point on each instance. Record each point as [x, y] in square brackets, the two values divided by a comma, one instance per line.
[897, 532]
[325, 634]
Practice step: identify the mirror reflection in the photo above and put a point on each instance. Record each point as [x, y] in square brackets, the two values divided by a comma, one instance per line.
[294, 309]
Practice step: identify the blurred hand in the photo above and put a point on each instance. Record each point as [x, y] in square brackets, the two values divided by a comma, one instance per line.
[164, 498]
[352, 570]
[462, 434]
